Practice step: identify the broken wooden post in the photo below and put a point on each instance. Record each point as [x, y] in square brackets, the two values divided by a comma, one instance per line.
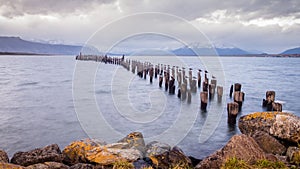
[276, 106]
[151, 74]
[203, 98]
[231, 91]
[238, 98]
[211, 88]
[214, 82]
[189, 95]
[179, 93]
[237, 87]
[220, 93]
[205, 86]
[199, 78]
[183, 89]
[160, 81]
[232, 110]
[270, 98]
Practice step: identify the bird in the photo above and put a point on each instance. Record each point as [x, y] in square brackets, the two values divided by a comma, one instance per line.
[213, 76]
[206, 71]
[199, 70]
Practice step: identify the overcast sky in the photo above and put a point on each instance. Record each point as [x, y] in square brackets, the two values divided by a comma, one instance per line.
[266, 25]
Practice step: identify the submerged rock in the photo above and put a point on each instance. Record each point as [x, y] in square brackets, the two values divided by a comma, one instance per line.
[39, 155]
[10, 166]
[268, 143]
[284, 126]
[174, 158]
[241, 147]
[156, 148]
[48, 165]
[3, 157]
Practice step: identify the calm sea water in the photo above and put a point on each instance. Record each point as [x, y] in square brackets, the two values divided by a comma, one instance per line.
[39, 99]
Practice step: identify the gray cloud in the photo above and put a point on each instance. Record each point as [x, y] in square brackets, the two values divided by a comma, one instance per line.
[238, 22]
[15, 8]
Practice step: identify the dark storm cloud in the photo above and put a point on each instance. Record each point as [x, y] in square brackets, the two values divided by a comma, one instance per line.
[13, 8]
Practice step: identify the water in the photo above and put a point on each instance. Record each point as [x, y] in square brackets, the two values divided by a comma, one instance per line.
[37, 104]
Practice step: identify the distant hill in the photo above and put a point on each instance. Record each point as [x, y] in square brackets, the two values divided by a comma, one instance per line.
[292, 51]
[18, 45]
[188, 51]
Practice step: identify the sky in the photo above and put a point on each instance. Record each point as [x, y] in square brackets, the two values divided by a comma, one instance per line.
[265, 25]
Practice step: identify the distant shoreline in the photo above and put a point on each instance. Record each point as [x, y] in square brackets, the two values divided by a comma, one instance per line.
[252, 55]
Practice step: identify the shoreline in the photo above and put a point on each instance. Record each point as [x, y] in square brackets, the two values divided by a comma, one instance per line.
[272, 143]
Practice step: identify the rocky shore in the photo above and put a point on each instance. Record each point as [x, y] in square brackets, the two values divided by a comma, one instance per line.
[268, 140]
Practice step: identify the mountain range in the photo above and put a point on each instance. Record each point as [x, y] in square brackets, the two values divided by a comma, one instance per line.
[16, 45]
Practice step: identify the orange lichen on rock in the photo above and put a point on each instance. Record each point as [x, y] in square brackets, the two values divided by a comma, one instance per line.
[263, 115]
[10, 166]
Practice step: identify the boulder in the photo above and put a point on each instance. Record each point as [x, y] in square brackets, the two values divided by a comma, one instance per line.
[134, 139]
[293, 154]
[10, 166]
[95, 152]
[106, 155]
[284, 126]
[174, 158]
[156, 148]
[39, 155]
[268, 143]
[3, 157]
[240, 146]
[48, 165]
[76, 151]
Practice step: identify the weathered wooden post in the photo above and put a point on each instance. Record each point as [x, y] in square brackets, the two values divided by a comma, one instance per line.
[211, 88]
[220, 93]
[214, 82]
[199, 78]
[155, 71]
[166, 81]
[270, 98]
[238, 98]
[194, 85]
[276, 106]
[173, 71]
[151, 74]
[205, 86]
[183, 72]
[189, 95]
[160, 81]
[232, 110]
[237, 87]
[204, 99]
[183, 91]
[179, 78]
[172, 86]
[231, 91]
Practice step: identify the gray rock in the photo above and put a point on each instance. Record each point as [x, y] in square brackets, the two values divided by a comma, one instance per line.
[293, 154]
[3, 157]
[239, 146]
[48, 165]
[134, 139]
[156, 148]
[82, 166]
[40, 155]
[171, 159]
[268, 143]
[284, 126]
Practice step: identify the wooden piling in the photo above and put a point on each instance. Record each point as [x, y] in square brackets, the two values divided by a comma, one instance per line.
[204, 99]
[205, 86]
[220, 93]
[237, 87]
[270, 98]
[160, 81]
[232, 110]
[199, 78]
[276, 106]
[189, 96]
[231, 91]
[183, 89]
[211, 89]
[238, 98]
[214, 82]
